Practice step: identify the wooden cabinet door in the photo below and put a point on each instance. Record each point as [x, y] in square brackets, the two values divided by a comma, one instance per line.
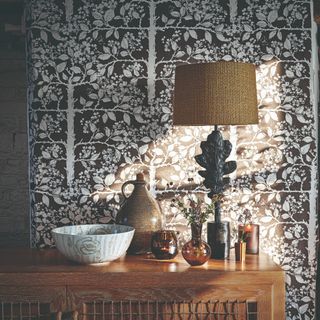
[203, 302]
[31, 303]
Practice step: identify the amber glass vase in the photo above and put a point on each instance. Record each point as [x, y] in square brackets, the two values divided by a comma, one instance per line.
[196, 251]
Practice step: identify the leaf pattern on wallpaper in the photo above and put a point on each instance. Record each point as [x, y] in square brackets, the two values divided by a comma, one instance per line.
[100, 87]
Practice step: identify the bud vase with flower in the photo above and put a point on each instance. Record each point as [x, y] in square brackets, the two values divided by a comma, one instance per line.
[240, 247]
[196, 251]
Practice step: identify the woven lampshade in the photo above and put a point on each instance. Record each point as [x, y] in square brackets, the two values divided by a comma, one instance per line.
[218, 93]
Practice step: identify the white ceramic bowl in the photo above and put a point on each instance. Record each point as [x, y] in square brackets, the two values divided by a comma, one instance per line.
[93, 243]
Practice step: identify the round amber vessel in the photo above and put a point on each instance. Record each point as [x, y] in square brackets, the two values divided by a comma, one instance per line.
[196, 251]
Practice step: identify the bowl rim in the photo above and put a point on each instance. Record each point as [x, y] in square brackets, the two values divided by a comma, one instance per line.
[57, 231]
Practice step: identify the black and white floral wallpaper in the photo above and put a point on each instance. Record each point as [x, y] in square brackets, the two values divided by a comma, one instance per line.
[100, 87]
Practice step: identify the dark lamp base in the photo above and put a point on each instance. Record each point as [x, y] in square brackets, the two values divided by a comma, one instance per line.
[219, 239]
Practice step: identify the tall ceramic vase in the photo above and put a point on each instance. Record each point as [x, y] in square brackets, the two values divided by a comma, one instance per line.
[196, 251]
[141, 211]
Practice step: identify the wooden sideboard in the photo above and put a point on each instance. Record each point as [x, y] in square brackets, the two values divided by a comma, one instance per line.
[42, 284]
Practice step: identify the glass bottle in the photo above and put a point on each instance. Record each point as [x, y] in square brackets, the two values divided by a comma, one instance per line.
[196, 251]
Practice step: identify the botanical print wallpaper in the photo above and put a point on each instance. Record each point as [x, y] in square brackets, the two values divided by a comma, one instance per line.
[100, 83]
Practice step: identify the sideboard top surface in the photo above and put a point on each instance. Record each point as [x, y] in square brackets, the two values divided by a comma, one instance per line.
[50, 260]
[32, 267]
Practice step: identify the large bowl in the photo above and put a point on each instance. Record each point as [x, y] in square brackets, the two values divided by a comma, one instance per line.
[93, 243]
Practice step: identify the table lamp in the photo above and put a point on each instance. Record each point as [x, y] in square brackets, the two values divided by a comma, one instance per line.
[217, 93]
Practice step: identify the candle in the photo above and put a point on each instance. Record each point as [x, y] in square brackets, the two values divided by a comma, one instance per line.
[251, 237]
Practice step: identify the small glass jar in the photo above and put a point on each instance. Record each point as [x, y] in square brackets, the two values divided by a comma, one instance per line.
[164, 244]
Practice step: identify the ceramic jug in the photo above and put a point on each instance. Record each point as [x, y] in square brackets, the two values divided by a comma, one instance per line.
[141, 211]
